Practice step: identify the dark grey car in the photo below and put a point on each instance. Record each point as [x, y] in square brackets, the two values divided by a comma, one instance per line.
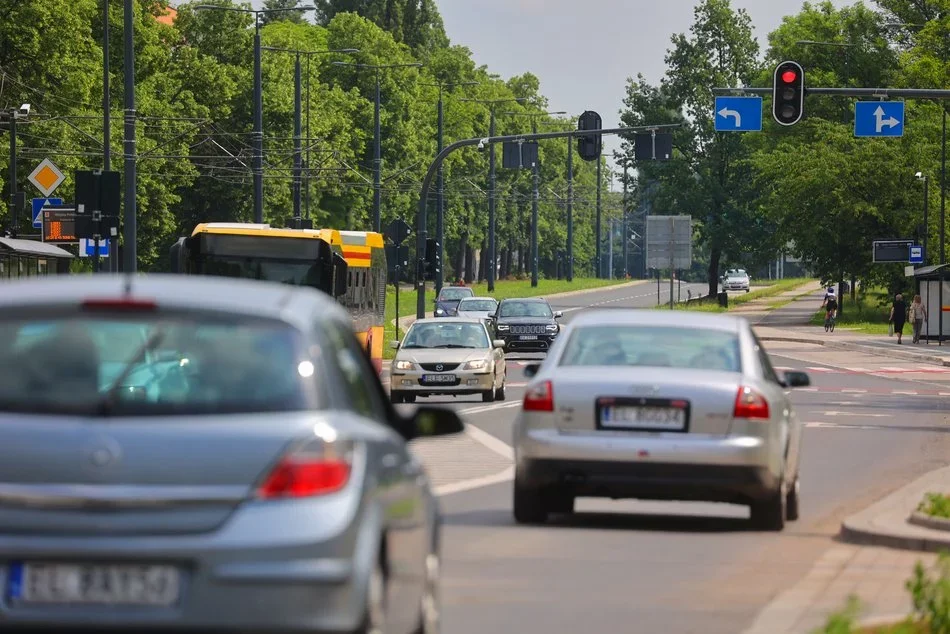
[197, 453]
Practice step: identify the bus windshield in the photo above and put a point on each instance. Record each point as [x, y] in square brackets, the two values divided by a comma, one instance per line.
[295, 272]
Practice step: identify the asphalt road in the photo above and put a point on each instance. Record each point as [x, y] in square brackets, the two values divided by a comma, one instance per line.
[630, 566]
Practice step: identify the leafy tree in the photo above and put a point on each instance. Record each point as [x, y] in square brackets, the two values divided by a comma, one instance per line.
[284, 14]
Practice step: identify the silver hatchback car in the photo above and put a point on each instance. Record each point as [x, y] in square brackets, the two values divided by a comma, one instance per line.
[191, 453]
[658, 405]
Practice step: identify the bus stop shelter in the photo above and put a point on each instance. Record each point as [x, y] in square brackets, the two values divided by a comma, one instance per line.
[28, 258]
[927, 281]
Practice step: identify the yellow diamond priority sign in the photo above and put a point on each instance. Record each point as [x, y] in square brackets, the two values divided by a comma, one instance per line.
[46, 177]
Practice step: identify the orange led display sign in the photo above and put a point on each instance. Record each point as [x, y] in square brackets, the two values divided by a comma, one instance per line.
[59, 226]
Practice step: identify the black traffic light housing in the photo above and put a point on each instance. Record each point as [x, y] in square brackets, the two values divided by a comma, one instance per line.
[589, 147]
[788, 93]
[433, 263]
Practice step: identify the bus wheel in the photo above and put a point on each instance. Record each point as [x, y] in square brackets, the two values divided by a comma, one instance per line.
[395, 397]
[409, 398]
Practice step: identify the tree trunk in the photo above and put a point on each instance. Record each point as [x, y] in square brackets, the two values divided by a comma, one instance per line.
[460, 257]
[469, 264]
[503, 261]
[715, 253]
[482, 263]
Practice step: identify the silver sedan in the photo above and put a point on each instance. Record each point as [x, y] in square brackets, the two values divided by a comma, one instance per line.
[658, 405]
[191, 453]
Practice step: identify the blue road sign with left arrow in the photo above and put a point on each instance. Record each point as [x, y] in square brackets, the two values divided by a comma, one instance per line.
[738, 114]
[879, 118]
[38, 204]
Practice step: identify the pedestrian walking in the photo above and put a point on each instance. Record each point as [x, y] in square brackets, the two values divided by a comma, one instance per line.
[898, 315]
[918, 315]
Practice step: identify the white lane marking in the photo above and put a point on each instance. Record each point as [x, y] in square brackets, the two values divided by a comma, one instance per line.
[860, 414]
[490, 442]
[905, 392]
[488, 408]
[873, 373]
[475, 483]
[853, 391]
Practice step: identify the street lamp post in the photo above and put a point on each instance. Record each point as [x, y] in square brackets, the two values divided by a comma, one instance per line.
[537, 184]
[440, 187]
[926, 179]
[298, 150]
[258, 163]
[377, 142]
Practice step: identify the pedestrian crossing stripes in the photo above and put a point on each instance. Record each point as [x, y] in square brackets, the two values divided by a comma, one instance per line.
[878, 370]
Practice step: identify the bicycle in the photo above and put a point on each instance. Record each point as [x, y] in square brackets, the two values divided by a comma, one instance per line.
[830, 318]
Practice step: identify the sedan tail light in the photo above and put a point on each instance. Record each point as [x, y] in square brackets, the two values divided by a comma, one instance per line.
[750, 404]
[539, 398]
[318, 468]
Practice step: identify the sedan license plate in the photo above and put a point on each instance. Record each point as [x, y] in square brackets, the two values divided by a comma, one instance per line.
[76, 584]
[643, 417]
[439, 378]
[528, 337]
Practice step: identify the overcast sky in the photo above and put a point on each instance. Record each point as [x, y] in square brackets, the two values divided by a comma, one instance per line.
[584, 51]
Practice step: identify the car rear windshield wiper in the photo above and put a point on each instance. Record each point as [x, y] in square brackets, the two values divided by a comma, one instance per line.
[108, 399]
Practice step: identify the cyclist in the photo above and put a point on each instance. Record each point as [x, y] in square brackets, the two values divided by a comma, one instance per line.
[831, 309]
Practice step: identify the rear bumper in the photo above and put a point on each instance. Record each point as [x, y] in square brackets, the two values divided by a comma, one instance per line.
[250, 575]
[736, 469]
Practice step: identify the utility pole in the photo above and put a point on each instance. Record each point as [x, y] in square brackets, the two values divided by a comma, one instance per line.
[625, 232]
[257, 166]
[113, 262]
[14, 212]
[377, 142]
[536, 173]
[130, 231]
[570, 209]
[297, 148]
[598, 269]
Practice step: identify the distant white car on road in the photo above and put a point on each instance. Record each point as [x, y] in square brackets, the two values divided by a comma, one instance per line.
[736, 280]
[477, 307]
[660, 406]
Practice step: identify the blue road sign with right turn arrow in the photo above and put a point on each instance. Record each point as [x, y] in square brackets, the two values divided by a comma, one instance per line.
[879, 118]
[738, 114]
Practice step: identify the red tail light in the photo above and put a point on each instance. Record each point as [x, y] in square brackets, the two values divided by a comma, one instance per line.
[307, 474]
[750, 404]
[539, 398]
[119, 304]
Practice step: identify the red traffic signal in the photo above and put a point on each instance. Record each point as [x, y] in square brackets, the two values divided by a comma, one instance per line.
[788, 93]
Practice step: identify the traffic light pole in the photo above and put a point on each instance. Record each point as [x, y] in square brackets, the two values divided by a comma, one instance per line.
[440, 201]
[421, 208]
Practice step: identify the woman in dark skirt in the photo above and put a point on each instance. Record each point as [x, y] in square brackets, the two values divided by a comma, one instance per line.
[899, 315]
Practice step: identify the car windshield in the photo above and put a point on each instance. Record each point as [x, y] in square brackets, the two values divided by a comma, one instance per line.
[526, 309]
[446, 335]
[480, 305]
[453, 294]
[653, 346]
[151, 365]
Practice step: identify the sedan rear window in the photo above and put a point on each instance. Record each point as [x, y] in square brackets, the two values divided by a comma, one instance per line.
[147, 364]
[653, 346]
[477, 304]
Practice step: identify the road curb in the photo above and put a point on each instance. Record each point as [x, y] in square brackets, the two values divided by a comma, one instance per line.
[929, 521]
[857, 347]
[887, 521]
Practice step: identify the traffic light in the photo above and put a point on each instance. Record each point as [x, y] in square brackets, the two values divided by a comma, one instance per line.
[589, 147]
[788, 93]
[433, 263]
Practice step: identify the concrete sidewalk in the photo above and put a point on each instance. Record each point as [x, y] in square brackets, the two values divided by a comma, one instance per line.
[792, 323]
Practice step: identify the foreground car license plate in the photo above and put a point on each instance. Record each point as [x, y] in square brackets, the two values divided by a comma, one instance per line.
[143, 585]
[528, 337]
[660, 418]
[438, 378]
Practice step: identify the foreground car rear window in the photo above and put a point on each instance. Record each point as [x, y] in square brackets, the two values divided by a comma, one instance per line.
[653, 346]
[148, 364]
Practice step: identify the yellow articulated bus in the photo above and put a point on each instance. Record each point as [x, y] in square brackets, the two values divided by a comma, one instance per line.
[348, 265]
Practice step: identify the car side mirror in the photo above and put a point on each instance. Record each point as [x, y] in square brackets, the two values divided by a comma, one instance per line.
[498, 343]
[394, 345]
[531, 370]
[428, 421]
[558, 314]
[793, 378]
